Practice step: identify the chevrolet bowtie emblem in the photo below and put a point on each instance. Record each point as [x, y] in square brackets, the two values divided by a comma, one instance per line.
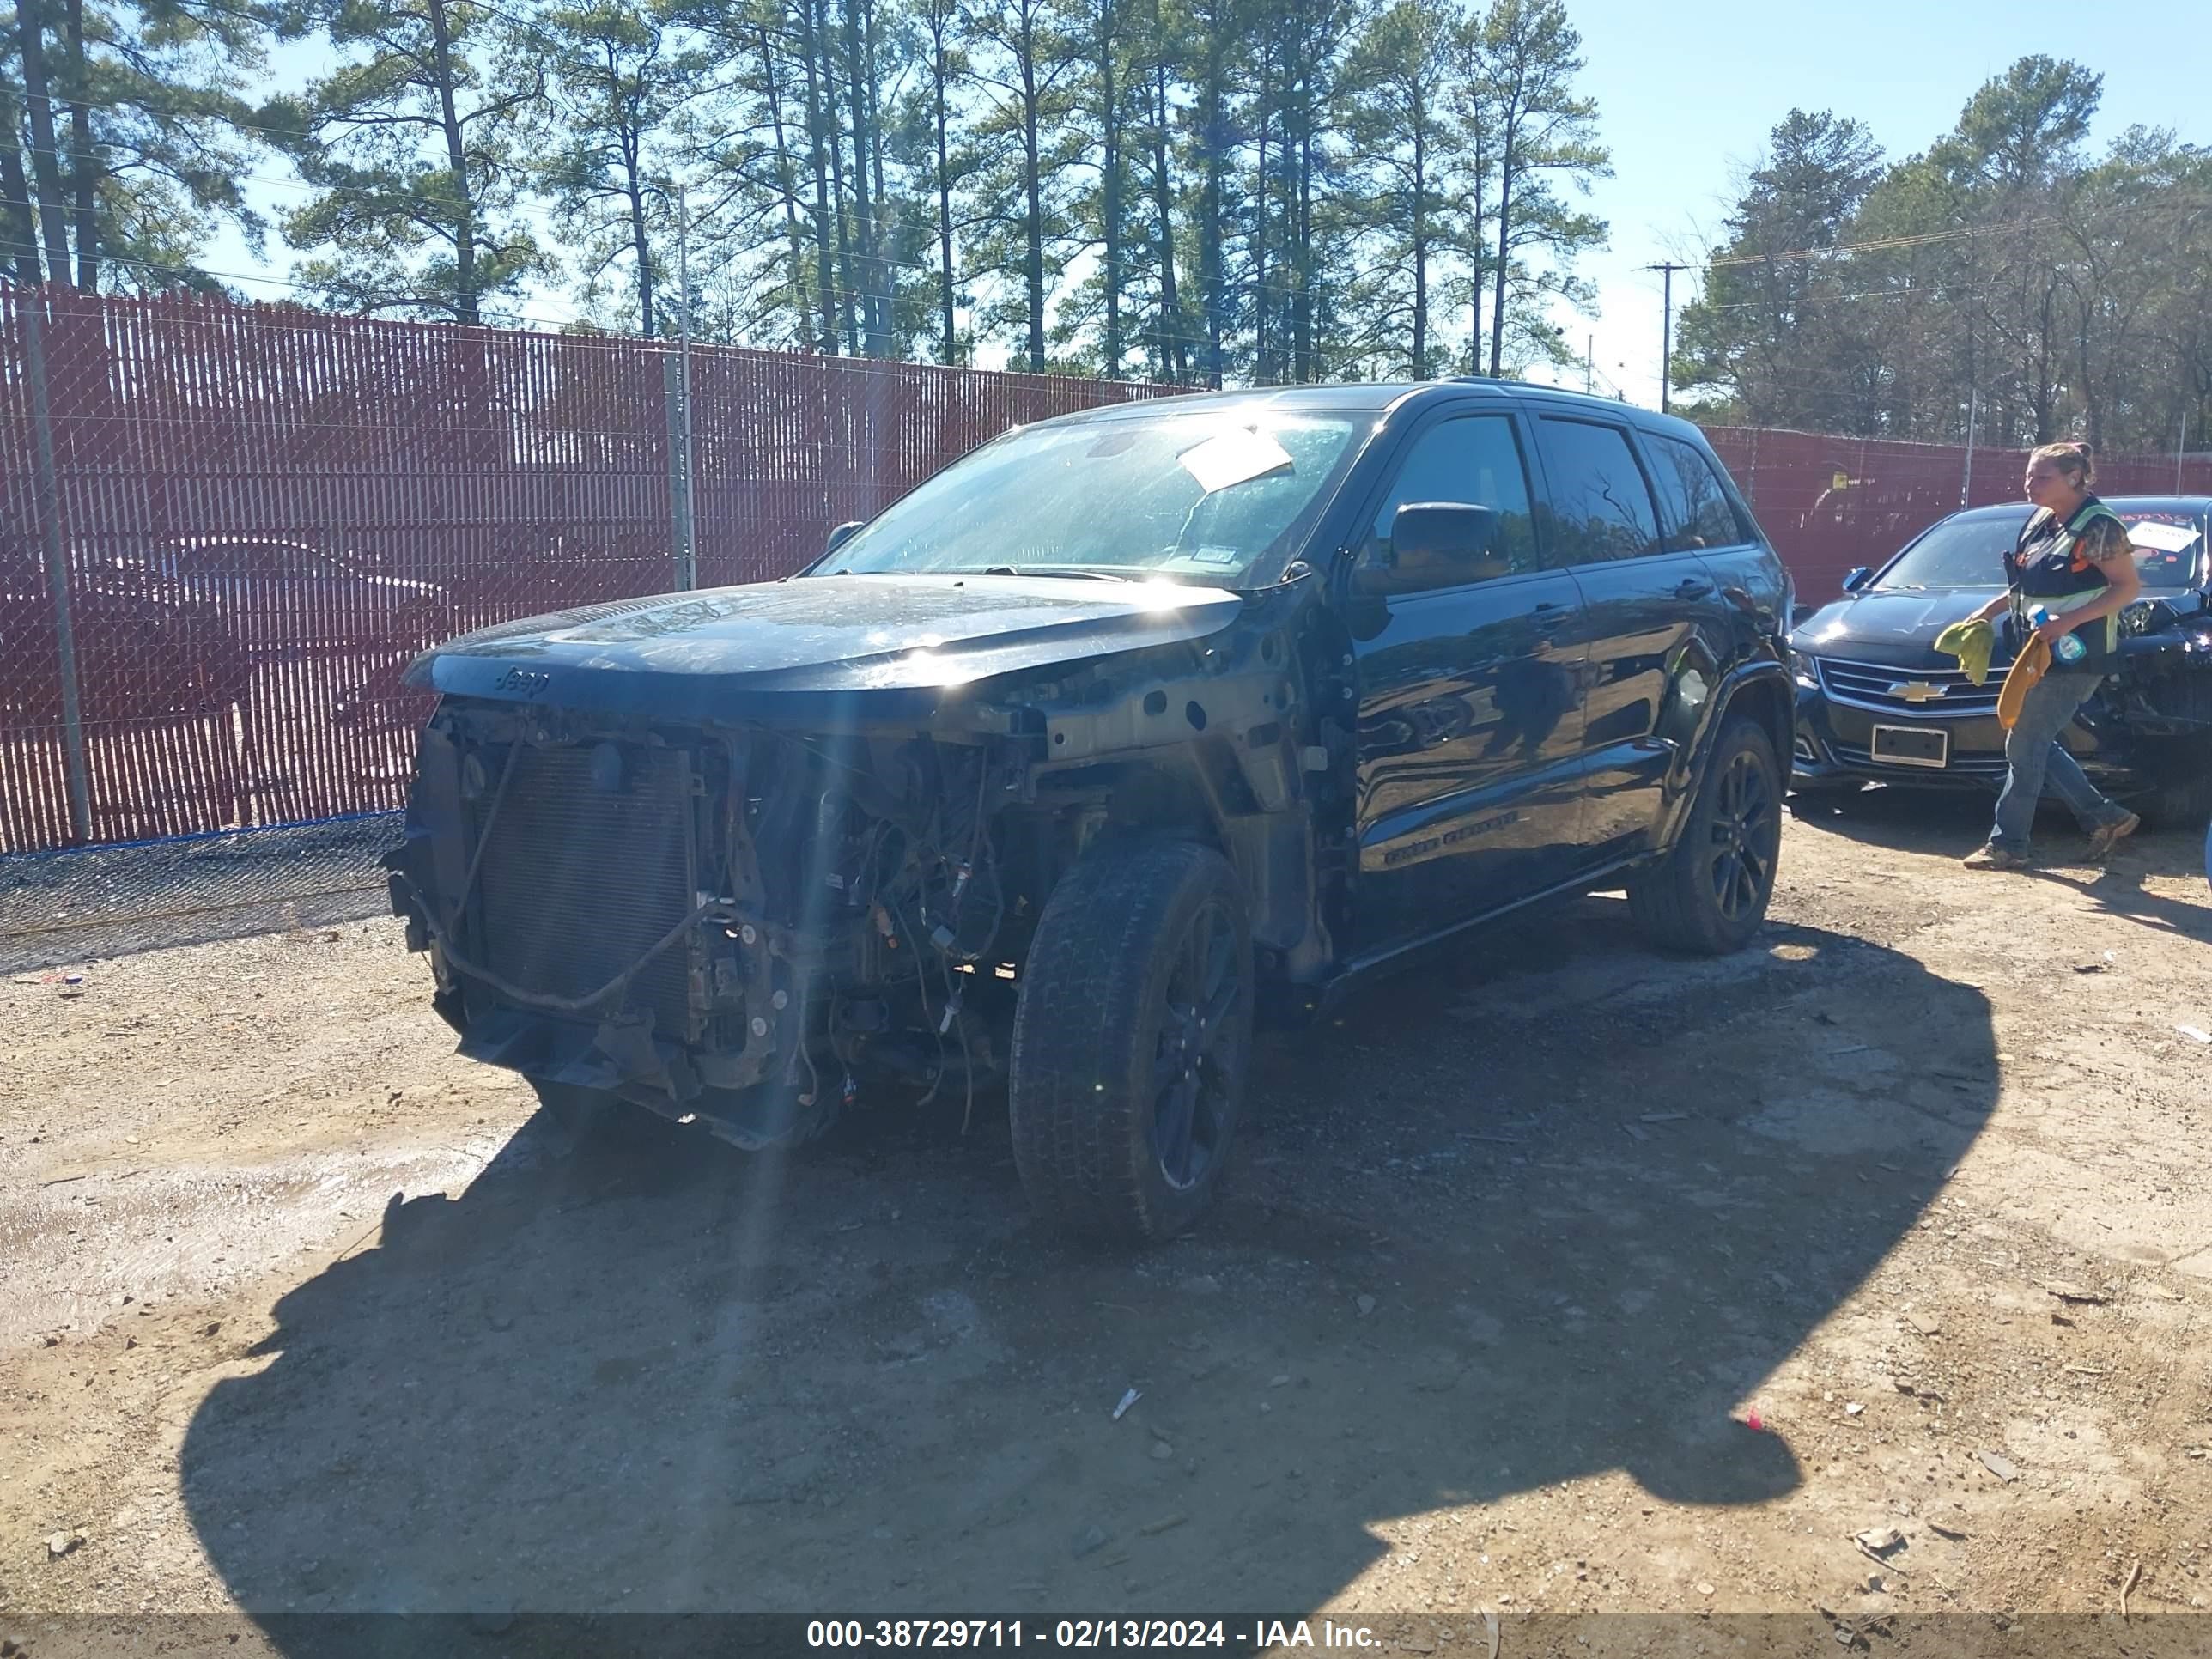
[1916, 690]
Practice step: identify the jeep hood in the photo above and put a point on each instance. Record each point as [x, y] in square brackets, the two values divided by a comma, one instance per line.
[804, 649]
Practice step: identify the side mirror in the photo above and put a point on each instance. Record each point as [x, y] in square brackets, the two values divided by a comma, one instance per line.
[843, 533]
[1858, 579]
[1432, 544]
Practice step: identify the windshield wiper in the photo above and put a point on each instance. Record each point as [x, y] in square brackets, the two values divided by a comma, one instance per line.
[1043, 570]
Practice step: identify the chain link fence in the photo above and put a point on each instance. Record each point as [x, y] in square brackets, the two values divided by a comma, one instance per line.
[74, 907]
[1832, 503]
[225, 531]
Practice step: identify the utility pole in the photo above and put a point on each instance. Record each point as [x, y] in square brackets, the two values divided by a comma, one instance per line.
[687, 546]
[1589, 364]
[1667, 271]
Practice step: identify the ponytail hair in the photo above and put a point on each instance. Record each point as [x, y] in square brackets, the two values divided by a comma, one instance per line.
[2077, 461]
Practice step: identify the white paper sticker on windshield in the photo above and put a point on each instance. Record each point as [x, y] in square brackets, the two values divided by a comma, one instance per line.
[1233, 458]
[2162, 538]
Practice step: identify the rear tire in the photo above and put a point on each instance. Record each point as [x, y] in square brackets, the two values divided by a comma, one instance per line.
[2184, 803]
[1709, 896]
[1132, 1040]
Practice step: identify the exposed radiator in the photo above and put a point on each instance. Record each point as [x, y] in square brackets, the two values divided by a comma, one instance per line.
[579, 882]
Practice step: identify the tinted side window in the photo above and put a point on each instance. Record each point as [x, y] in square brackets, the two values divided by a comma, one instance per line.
[1472, 461]
[1601, 505]
[1695, 505]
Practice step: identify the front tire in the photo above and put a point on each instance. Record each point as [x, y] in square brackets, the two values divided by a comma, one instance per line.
[1132, 1039]
[1710, 894]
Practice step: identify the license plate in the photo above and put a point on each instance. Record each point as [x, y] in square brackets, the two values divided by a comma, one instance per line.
[1911, 745]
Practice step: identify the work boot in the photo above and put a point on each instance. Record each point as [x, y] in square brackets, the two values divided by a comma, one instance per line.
[2110, 835]
[1994, 857]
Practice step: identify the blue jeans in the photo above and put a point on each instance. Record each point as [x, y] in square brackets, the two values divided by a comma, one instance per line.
[2037, 759]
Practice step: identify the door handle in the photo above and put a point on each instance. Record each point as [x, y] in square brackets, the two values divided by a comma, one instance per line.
[1546, 608]
[1692, 587]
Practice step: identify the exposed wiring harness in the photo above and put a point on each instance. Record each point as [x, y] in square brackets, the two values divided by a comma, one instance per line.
[538, 1000]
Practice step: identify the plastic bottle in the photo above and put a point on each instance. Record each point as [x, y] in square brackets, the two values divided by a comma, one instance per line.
[2068, 648]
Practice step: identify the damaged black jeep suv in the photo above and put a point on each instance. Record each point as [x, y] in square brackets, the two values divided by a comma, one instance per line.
[1128, 728]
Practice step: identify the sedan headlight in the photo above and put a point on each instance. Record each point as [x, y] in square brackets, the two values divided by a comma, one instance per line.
[1802, 664]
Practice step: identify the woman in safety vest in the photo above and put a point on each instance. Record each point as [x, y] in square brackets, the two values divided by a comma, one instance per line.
[2072, 561]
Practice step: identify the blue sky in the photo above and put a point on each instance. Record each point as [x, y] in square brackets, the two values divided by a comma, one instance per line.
[1688, 93]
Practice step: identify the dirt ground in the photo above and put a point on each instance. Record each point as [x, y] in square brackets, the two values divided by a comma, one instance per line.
[301, 1313]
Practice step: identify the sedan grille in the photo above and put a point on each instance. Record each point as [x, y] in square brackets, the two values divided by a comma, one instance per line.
[578, 881]
[1926, 693]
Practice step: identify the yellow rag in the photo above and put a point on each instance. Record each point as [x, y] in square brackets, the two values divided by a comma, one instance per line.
[2031, 666]
[1972, 642]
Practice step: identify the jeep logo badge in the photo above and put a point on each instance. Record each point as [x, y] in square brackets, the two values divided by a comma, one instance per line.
[1916, 690]
[526, 683]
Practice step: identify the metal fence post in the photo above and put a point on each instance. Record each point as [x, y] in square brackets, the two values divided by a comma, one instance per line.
[58, 574]
[1966, 476]
[1856, 497]
[679, 487]
[687, 546]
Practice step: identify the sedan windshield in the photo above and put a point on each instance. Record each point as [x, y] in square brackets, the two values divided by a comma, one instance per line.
[1966, 552]
[1206, 498]
[1957, 553]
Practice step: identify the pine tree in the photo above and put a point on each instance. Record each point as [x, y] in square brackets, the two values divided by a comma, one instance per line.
[2002, 279]
[122, 143]
[413, 144]
[941, 155]
[1399, 116]
[1541, 131]
[752, 137]
[1767, 322]
[1105, 110]
[617, 83]
[1025, 68]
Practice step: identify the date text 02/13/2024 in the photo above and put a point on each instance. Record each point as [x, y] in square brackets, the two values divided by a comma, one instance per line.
[1246, 1635]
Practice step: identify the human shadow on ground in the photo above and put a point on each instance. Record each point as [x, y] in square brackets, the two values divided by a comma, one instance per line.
[1553, 1214]
[1957, 821]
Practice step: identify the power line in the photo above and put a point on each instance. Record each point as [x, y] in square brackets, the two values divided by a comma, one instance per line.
[769, 250]
[584, 332]
[843, 292]
[1938, 289]
[1884, 244]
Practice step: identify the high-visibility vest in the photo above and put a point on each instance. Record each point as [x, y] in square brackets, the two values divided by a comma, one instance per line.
[2061, 577]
